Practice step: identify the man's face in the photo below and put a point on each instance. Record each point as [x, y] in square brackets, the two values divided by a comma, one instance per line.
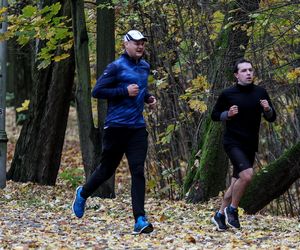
[135, 49]
[245, 73]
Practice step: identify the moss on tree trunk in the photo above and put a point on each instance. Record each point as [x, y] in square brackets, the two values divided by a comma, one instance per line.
[272, 181]
[211, 170]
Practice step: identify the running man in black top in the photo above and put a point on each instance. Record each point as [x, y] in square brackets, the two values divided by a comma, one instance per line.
[240, 107]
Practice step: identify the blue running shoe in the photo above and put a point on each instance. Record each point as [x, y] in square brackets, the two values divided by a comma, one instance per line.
[142, 226]
[232, 217]
[78, 203]
[219, 221]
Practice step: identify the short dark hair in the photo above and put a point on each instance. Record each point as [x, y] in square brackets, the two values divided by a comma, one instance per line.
[239, 61]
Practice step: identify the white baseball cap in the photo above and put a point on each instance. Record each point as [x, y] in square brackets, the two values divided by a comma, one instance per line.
[134, 35]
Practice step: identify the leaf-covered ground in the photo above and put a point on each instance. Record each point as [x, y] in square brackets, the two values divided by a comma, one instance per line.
[40, 217]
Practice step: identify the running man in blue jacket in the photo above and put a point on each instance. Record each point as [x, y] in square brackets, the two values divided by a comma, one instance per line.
[124, 85]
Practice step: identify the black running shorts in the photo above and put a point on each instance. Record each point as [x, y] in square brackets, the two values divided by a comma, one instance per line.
[241, 159]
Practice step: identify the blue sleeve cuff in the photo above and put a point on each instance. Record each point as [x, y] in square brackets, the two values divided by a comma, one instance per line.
[125, 91]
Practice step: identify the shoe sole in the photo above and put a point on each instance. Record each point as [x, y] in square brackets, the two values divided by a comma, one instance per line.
[74, 203]
[217, 225]
[226, 220]
[145, 230]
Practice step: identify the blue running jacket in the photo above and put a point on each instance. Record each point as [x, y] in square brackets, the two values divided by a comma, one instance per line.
[124, 110]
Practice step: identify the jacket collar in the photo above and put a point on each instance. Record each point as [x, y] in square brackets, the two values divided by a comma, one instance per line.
[125, 54]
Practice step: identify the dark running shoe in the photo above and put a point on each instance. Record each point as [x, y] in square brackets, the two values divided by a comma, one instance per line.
[219, 221]
[232, 217]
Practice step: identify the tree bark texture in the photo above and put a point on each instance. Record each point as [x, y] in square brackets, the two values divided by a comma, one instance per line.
[89, 140]
[39, 147]
[209, 178]
[90, 137]
[272, 181]
[20, 61]
[105, 55]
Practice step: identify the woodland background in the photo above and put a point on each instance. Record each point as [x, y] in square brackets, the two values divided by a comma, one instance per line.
[57, 49]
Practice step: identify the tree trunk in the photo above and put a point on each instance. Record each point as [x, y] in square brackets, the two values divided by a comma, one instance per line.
[272, 181]
[90, 137]
[89, 140]
[38, 150]
[3, 80]
[20, 76]
[105, 55]
[209, 177]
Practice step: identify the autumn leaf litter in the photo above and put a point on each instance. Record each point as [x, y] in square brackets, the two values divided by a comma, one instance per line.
[40, 217]
[35, 216]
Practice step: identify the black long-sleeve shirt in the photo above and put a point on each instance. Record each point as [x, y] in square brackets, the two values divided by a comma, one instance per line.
[243, 128]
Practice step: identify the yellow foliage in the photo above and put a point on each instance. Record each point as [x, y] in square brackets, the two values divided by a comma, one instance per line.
[292, 107]
[200, 83]
[194, 94]
[25, 106]
[68, 45]
[162, 84]
[294, 74]
[244, 27]
[249, 31]
[151, 79]
[218, 17]
[213, 36]
[267, 3]
[2, 11]
[241, 211]
[50, 34]
[197, 105]
[61, 57]
[176, 70]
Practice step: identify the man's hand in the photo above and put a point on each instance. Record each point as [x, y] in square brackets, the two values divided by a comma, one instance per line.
[151, 102]
[265, 104]
[233, 111]
[133, 89]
